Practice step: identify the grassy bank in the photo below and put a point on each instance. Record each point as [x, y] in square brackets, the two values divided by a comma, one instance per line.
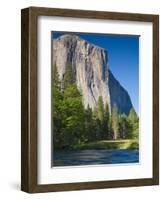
[110, 144]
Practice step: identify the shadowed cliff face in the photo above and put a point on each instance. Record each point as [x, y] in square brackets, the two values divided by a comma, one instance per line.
[118, 95]
[90, 68]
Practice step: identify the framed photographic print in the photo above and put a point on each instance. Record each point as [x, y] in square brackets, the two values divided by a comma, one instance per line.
[90, 100]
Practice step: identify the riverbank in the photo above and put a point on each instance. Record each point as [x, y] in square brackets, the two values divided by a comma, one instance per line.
[110, 144]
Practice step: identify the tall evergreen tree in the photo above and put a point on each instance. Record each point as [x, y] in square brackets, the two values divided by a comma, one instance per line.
[56, 82]
[115, 122]
[68, 111]
[72, 110]
[106, 123]
[100, 118]
[134, 124]
[100, 107]
[68, 77]
[89, 125]
[123, 126]
[57, 98]
[132, 117]
[96, 124]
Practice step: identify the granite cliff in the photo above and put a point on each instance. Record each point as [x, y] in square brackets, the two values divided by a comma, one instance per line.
[90, 67]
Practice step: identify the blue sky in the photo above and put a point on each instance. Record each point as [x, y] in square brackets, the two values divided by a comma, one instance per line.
[123, 59]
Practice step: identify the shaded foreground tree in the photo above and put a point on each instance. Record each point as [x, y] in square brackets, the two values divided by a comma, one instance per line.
[68, 112]
[72, 112]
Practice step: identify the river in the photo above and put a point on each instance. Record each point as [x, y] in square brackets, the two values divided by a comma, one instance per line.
[94, 157]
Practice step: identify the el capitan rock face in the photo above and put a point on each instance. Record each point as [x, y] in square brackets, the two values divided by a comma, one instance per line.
[91, 70]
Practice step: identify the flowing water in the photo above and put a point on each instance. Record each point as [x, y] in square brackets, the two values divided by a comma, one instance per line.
[94, 157]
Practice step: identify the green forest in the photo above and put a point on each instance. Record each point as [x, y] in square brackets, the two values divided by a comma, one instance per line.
[75, 127]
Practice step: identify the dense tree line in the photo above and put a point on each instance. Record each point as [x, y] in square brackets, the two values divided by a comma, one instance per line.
[73, 125]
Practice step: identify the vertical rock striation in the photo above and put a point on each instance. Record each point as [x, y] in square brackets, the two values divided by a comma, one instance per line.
[90, 67]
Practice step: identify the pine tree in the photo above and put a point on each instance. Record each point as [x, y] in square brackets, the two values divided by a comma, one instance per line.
[89, 127]
[56, 82]
[132, 117]
[68, 77]
[96, 124]
[123, 126]
[68, 111]
[100, 107]
[134, 124]
[72, 110]
[115, 122]
[100, 118]
[106, 123]
[57, 98]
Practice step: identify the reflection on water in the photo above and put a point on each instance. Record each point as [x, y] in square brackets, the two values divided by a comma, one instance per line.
[94, 157]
